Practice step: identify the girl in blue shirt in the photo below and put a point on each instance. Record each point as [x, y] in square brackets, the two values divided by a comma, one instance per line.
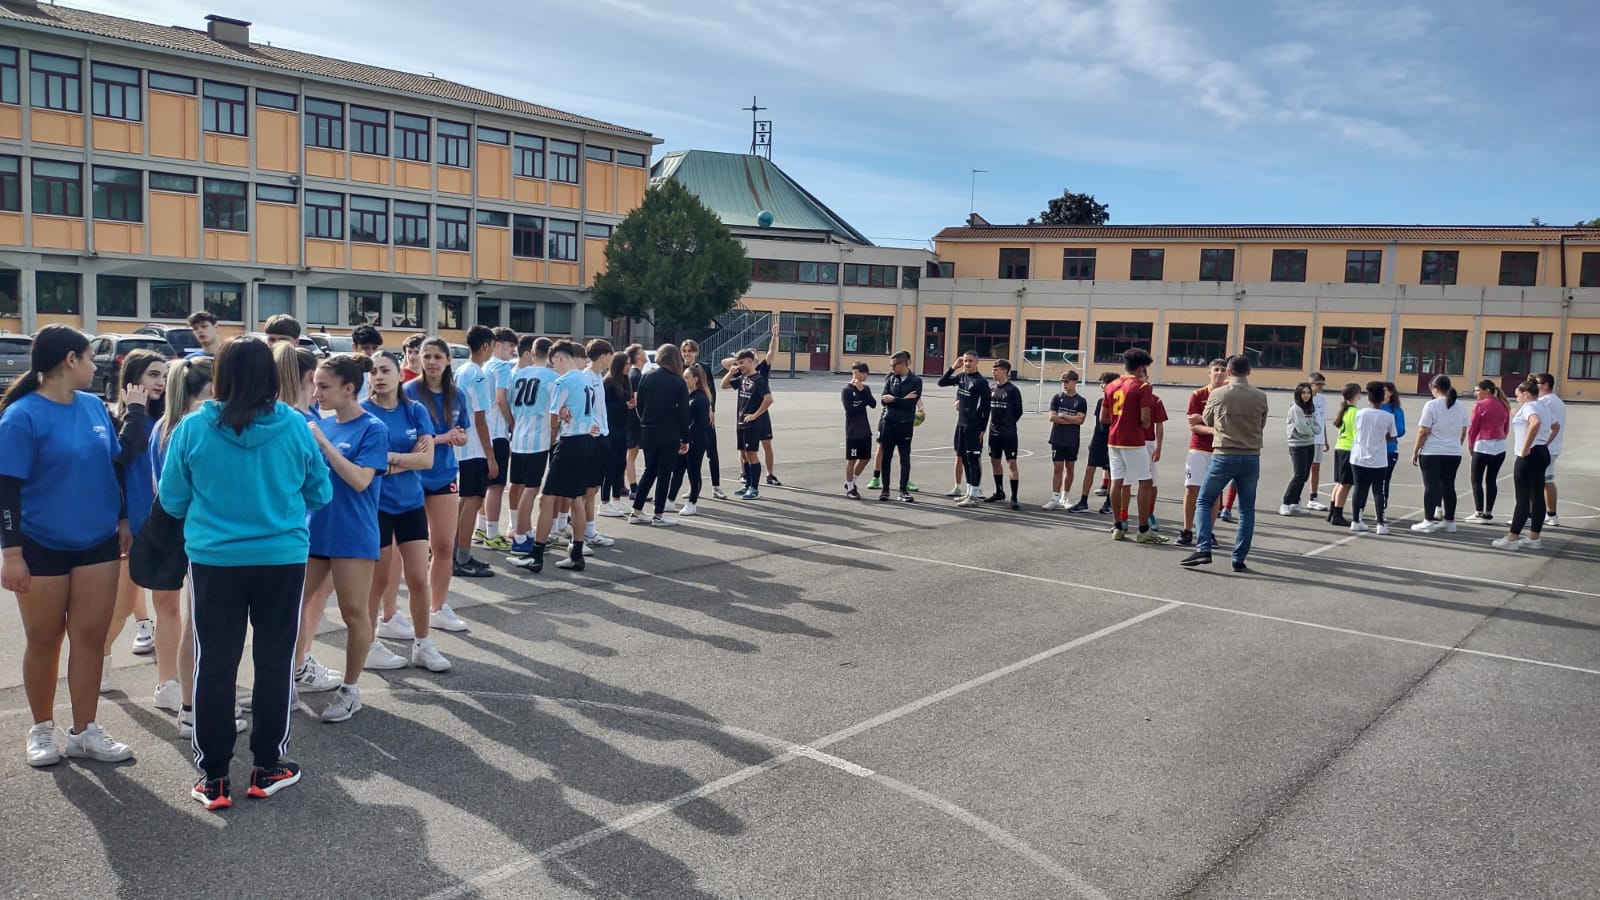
[436, 390]
[1391, 405]
[62, 529]
[344, 534]
[402, 515]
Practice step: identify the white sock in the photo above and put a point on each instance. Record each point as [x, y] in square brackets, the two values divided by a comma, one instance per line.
[350, 688]
[494, 529]
[561, 521]
[482, 522]
[590, 532]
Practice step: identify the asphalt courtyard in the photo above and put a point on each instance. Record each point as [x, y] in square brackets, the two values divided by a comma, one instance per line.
[807, 696]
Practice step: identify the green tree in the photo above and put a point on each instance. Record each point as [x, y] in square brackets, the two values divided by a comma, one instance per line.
[1592, 223]
[672, 263]
[1075, 209]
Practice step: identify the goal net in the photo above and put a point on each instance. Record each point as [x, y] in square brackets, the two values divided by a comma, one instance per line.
[1045, 368]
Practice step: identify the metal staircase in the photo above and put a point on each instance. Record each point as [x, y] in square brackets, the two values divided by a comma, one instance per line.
[741, 328]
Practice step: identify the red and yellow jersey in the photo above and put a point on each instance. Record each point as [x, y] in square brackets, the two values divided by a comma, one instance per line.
[1127, 398]
[1197, 406]
[1158, 413]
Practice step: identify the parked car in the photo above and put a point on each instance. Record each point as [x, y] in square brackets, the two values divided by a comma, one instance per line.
[305, 343]
[332, 343]
[16, 355]
[109, 351]
[179, 336]
[649, 363]
[459, 353]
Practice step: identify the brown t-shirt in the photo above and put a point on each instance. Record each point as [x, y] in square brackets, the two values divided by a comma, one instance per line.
[1238, 412]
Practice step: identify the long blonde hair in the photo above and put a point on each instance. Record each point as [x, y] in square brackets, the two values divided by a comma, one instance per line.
[186, 380]
[293, 363]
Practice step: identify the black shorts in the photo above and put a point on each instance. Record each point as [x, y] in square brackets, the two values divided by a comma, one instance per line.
[1064, 453]
[473, 480]
[594, 468]
[1342, 473]
[448, 489]
[858, 448]
[749, 437]
[502, 458]
[1002, 445]
[48, 562]
[967, 439]
[527, 469]
[402, 528]
[568, 473]
[635, 431]
[1099, 452]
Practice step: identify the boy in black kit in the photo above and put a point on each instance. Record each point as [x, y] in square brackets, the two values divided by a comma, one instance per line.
[1068, 409]
[1099, 453]
[754, 426]
[972, 414]
[1005, 409]
[857, 398]
[901, 391]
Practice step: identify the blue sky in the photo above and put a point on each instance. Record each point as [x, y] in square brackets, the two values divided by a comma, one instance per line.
[1355, 111]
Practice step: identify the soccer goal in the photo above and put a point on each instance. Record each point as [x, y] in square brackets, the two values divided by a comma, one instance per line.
[1045, 367]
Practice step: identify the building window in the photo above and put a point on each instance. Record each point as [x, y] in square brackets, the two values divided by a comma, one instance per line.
[1289, 265]
[324, 217]
[1077, 264]
[624, 158]
[1507, 353]
[58, 293]
[273, 299]
[600, 232]
[115, 93]
[1052, 334]
[324, 124]
[1439, 266]
[1192, 344]
[116, 296]
[594, 321]
[369, 220]
[1519, 268]
[10, 292]
[178, 184]
[1433, 351]
[224, 109]
[269, 193]
[1146, 265]
[1216, 265]
[226, 205]
[989, 338]
[868, 335]
[527, 237]
[322, 306]
[410, 224]
[118, 194]
[1588, 269]
[10, 184]
[493, 219]
[172, 84]
[277, 100]
[455, 144]
[1013, 262]
[411, 137]
[450, 307]
[405, 310]
[947, 270]
[1584, 360]
[869, 276]
[1363, 267]
[225, 301]
[1352, 349]
[563, 240]
[788, 271]
[910, 277]
[564, 161]
[10, 78]
[1112, 339]
[488, 314]
[493, 136]
[598, 154]
[365, 308]
[558, 318]
[55, 82]
[369, 131]
[57, 188]
[523, 317]
[169, 299]
[1275, 346]
[454, 228]
[527, 156]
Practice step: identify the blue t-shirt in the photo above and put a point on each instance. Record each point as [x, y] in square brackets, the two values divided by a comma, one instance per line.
[445, 465]
[575, 392]
[531, 389]
[402, 491]
[347, 528]
[63, 453]
[139, 482]
[1399, 426]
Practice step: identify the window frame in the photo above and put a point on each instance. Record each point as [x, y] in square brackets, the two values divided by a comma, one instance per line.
[1259, 343]
[225, 204]
[1108, 348]
[357, 304]
[870, 275]
[1494, 342]
[1368, 268]
[368, 219]
[493, 218]
[110, 200]
[561, 239]
[453, 149]
[105, 87]
[490, 135]
[167, 177]
[10, 183]
[45, 83]
[70, 192]
[1046, 334]
[874, 334]
[1220, 261]
[322, 220]
[224, 310]
[322, 306]
[523, 150]
[413, 225]
[1583, 363]
[1345, 338]
[411, 143]
[1445, 265]
[451, 309]
[1197, 341]
[290, 196]
[974, 333]
[368, 136]
[1589, 269]
[452, 234]
[597, 231]
[10, 76]
[282, 101]
[44, 300]
[527, 232]
[323, 129]
[1519, 264]
[172, 84]
[164, 289]
[1014, 263]
[597, 154]
[236, 123]
[112, 286]
[560, 164]
[1147, 264]
[1072, 263]
[1289, 265]
[632, 159]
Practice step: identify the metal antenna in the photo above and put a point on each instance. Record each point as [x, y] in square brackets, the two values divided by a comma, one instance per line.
[760, 130]
[973, 204]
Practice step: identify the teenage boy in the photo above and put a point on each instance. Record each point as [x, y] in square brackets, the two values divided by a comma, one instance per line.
[1128, 412]
[765, 368]
[204, 326]
[411, 352]
[282, 328]
[502, 363]
[691, 360]
[1068, 410]
[857, 399]
[1198, 461]
[1155, 439]
[532, 386]
[1099, 452]
[478, 465]
[1319, 405]
[755, 398]
[599, 352]
[972, 414]
[575, 429]
[1005, 410]
[902, 395]
[1555, 416]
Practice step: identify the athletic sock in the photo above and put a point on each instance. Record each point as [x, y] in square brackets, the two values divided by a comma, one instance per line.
[999, 484]
[493, 531]
[590, 532]
[462, 556]
[755, 475]
[482, 522]
[1013, 488]
[1084, 499]
[577, 550]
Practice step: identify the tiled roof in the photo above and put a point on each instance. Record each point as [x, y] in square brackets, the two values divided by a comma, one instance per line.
[1455, 234]
[189, 40]
[738, 187]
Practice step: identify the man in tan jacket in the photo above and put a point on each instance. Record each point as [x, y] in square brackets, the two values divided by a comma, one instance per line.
[1236, 413]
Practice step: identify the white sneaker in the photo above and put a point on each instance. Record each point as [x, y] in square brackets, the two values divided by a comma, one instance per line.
[588, 549]
[959, 490]
[1449, 528]
[1425, 527]
[186, 724]
[688, 509]
[346, 702]
[968, 501]
[1553, 521]
[425, 655]
[612, 510]
[1286, 510]
[380, 657]
[566, 562]
[1358, 527]
[1316, 505]
[243, 700]
[169, 695]
[1053, 503]
[638, 519]
[1507, 543]
[717, 493]
[445, 619]
[663, 522]
[314, 677]
[1530, 544]
[105, 677]
[42, 749]
[670, 507]
[1477, 519]
[92, 743]
[599, 540]
[1383, 529]
[144, 637]
[398, 628]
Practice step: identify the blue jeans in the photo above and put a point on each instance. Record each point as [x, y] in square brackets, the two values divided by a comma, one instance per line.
[1244, 471]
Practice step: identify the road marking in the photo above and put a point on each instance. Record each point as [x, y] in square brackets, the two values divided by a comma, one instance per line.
[828, 759]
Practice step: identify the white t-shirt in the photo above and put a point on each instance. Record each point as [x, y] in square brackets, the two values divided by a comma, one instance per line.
[1371, 447]
[500, 372]
[1555, 413]
[1319, 404]
[1519, 426]
[597, 382]
[1445, 426]
[478, 387]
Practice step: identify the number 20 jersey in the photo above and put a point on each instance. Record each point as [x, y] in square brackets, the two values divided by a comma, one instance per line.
[530, 392]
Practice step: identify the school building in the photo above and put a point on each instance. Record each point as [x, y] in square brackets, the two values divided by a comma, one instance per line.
[149, 171]
[1393, 303]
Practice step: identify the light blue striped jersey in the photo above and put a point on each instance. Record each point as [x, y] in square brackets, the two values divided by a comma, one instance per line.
[529, 395]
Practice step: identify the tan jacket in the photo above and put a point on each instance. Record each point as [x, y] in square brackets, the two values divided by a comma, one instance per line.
[1238, 413]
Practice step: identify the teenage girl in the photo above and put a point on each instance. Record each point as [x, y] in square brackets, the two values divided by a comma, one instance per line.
[344, 534]
[635, 358]
[447, 410]
[1486, 436]
[701, 438]
[1343, 478]
[691, 360]
[1437, 451]
[615, 485]
[664, 429]
[1391, 405]
[1530, 438]
[1368, 461]
[62, 530]
[402, 511]
[1304, 433]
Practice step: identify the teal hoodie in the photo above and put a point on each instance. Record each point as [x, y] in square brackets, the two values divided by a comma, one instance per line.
[244, 497]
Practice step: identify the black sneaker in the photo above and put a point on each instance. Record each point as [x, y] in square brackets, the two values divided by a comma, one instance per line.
[213, 793]
[852, 493]
[773, 480]
[268, 780]
[1082, 506]
[471, 569]
[995, 497]
[1015, 504]
[1197, 558]
[1338, 520]
[1186, 538]
[1242, 568]
[533, 561]
[573, 563]
[883, 497]
[1105, 508]
[905, 497]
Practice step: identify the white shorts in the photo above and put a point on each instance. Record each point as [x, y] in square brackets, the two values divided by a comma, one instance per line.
[1130, 464]
[1316, 457]
[1150, 448]
[1194, 468]
[1550, 473]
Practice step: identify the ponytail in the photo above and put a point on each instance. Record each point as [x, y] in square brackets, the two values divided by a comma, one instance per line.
[1494, 391]
[1348, 396]
[348, 367]
[1441, 383]
[185, 381]
[51, 347]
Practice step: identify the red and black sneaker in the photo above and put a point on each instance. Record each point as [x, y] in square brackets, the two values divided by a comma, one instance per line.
[268, 780]
[213, 792]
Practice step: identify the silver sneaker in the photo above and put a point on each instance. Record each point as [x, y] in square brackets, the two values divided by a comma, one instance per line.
[663, 522]
[717, 493]
[599, 540]
[346, 703]
[42, 748]
[445, 619]
[380, 657]
[397, 629]
[314, 677]
[425, 655]
[92, 743]
[144, 637]
[169, 695]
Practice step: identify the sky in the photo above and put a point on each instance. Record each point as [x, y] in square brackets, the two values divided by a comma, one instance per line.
[1173, 112]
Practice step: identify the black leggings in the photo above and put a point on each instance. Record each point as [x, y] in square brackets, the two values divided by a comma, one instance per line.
[614, 469]
[896, 436]
[1528, 476]
[660, 452]
[1300, 455]
[1369, 479]
[711, 455]
[1485, 474]
[689, 465]
[1439, 485]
